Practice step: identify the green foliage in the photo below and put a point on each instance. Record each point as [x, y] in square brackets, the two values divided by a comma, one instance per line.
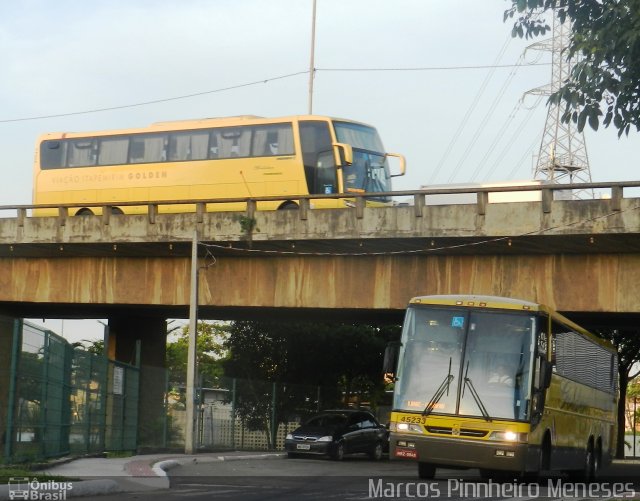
[209, 353]
[627, 342]
[345, 357]
[93, 347]
[247, 224]
[605, 81]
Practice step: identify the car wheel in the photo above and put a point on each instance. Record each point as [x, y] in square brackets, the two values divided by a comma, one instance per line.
[338, 453]
[376, 452]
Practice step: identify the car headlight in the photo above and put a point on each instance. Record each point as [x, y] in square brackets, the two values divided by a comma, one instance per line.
[326, 438]
[289, 436]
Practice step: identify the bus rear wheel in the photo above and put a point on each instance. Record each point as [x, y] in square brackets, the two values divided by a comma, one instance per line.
[289, 206]
[589, 467]
[84, 212]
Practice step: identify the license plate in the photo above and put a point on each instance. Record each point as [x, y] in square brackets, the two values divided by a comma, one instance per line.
[407, 453]
[303, 447]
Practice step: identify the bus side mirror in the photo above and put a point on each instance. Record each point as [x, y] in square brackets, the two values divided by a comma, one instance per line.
[537, 406]
[402, 168]
[390, 362]
[546, 370]
[344, 154]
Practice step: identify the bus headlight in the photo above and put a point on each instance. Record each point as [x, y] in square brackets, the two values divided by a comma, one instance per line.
[409, 427]
[508, 436]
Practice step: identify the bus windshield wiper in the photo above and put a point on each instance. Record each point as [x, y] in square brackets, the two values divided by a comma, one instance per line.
[444, 386]
[474, 394]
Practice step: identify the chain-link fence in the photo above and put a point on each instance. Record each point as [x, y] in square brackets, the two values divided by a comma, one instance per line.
[65, 400]
[244, 414]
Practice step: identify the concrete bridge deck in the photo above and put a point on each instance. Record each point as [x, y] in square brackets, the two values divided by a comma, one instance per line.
[580, 256]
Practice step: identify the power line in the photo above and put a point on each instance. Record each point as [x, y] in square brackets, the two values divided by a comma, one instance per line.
[437, 68]
[470, 110]
[427, 250]
[248, 84]
[155, 101]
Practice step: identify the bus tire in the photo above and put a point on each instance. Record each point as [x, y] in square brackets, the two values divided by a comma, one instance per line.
[84, 212]
[289, 206]
[426, 470]
[117, 211]
[587, 472]
[545, 454]
[597, 459]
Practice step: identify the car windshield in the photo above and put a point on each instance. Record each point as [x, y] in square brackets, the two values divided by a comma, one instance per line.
[327, 420]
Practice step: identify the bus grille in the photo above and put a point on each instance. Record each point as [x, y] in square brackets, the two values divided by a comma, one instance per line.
[461, 432]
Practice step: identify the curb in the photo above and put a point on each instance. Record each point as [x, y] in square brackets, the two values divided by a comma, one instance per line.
[252, 456]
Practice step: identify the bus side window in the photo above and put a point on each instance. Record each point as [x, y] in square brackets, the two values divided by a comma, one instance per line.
[148, 148]
[82, 152]
[53, 154]
[317, 156]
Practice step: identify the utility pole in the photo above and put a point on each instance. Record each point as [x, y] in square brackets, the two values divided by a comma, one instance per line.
[562, 157]
[189, 439]
[312, 69]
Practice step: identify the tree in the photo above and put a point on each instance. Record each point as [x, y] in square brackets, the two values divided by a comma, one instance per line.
[209, 354]
[627, 342]
[93, 347]
[605, 80]
[269, 357]
[633, 393]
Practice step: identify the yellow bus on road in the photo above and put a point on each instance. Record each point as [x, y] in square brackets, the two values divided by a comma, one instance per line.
[213, 158]
[508, 386]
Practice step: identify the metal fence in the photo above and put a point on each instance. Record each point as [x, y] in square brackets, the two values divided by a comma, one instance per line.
[244, 414]
[64, 400]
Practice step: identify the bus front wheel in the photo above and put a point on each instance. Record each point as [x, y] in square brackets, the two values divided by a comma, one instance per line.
[84, 212]
[426, 470]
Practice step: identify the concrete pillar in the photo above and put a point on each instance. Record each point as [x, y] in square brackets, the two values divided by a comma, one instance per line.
[6, 350]
[124, 332]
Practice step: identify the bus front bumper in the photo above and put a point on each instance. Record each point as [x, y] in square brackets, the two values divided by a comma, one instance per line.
[464, 453]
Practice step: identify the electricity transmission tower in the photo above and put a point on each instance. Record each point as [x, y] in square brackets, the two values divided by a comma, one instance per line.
[562, 157]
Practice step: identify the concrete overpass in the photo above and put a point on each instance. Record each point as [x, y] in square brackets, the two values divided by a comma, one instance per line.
[581, 257]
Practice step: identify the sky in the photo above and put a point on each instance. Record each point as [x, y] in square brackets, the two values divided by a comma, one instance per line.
[442, 80]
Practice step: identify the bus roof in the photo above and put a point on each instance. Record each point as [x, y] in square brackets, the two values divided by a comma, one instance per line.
[479, 301]
[505, 303]
[195, 123]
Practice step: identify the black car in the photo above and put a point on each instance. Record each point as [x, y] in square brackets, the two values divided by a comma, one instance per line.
[339, 432]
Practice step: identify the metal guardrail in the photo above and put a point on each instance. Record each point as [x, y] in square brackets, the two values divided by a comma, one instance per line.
[359, 199]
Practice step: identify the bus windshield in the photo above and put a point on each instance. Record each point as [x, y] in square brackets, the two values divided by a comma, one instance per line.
[370, 169]
[484, 358]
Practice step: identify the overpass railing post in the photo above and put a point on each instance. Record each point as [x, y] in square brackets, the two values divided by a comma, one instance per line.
[418, 204]
[360, 203]
[616, 198]
[152, 212]
[483, 200]
[304, 209]
[547, 198]
[106, 214]
[63, 214]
